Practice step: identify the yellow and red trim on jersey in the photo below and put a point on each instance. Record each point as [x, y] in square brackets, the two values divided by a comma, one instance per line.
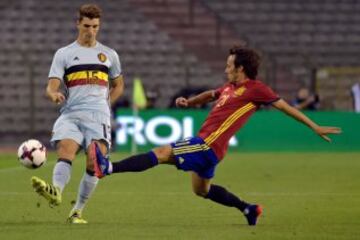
[190, 149]
[228, 122]
[87, 77]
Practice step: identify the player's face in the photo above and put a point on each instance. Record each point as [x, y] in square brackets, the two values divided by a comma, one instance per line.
[231, 72]
[88, 29]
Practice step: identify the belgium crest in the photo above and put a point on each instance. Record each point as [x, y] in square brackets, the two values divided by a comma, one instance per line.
[102, 57]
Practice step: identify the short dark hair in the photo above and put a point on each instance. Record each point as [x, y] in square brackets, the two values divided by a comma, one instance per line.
[248, 58]
[90, 11]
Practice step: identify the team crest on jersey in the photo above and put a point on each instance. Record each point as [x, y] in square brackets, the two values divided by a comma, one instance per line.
[102, 57]
[240, 91]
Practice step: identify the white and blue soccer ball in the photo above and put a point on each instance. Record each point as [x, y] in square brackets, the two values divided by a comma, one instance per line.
[32, 154]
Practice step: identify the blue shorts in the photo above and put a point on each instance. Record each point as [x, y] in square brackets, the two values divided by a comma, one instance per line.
[192, 154]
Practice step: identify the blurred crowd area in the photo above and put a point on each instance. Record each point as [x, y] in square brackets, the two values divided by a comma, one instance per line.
[179, 47]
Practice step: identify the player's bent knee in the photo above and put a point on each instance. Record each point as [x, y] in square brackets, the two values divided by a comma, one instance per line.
[66, 153]
[163, 154]
[67, 149]
[90, 165]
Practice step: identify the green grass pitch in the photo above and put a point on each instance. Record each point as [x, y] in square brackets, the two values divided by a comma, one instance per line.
[304, 195]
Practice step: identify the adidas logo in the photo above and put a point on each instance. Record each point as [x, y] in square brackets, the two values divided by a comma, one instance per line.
[76, 59]
[181, 160]
[103, 168]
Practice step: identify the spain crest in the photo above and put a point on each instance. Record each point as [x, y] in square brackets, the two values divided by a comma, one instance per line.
[102, 57]
[240, 91]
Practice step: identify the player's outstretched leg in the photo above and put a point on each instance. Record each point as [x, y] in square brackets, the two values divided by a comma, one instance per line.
[203, 187]
[48, 191]
[221, 195]
[137, 163]
[252, 213]
[61, 176]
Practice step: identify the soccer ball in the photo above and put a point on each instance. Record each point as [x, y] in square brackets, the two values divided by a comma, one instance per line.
[32, 154]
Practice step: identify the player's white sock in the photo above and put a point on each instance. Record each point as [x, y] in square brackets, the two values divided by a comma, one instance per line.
[86, 188]
[110, 168]
[61, 174]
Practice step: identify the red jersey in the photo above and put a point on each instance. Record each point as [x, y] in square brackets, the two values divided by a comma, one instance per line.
[234, 106]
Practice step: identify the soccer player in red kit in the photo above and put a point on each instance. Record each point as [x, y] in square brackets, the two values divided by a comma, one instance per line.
[236, 101]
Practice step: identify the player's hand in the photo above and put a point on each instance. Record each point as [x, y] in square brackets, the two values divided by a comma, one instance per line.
[324, 131]
[57, 97]
[181, 102]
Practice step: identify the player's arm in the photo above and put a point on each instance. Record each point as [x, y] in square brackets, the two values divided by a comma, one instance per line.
[202, 98]
[322, 131]
[57, 71]
[117, 89]
[52, 91]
